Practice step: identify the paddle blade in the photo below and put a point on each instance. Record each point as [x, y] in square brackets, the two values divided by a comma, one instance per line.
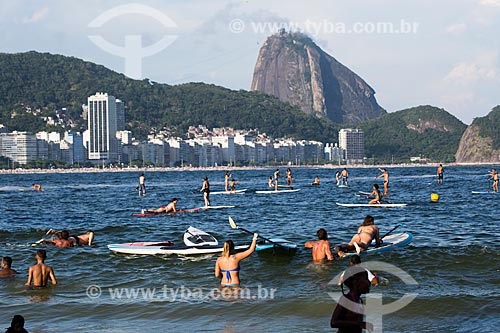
[232, 223]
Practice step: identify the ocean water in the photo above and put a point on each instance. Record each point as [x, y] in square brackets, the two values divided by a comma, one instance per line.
[453, 259]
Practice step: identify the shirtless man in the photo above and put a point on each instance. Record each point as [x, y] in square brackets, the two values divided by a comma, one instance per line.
[142, 185]
[320, 248]
[367, 232]
[37, 187]
[344, 175]
[40, 273]
[376, 195]
[316, 181]
[440, 171]
[232, 185]
[6, 271]
[85, 239]
[62, 239]
[169, 208]
[494, 177]
[385, 175]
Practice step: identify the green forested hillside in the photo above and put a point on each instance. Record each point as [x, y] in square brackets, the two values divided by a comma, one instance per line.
[50, 82]
[489, 126]
[424, 131]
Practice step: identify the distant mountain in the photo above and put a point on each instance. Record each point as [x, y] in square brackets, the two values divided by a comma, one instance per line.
[424, 131]
[481, 140]
[293, 68]
[52, 82]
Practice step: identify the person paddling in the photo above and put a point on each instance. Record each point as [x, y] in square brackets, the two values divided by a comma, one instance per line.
[169, 208]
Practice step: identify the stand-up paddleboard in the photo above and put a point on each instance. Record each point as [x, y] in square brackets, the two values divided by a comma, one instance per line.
[279, 244]
[391, 242]
[276, 192]
[158, 214]
[383, 205]
[216, 207]
[364, 193]
[484, 192]
[283, 186]
[230, 192]
[196, 237]
[342, 186]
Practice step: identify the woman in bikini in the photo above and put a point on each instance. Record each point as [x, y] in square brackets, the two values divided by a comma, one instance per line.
[227, 266]
[367, 232]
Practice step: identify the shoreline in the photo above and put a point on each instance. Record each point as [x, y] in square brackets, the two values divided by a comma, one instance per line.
[223, 168]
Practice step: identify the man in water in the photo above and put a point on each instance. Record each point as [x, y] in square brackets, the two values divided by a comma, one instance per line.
[6, 271]
[494, 177]
[40, 273]
[37, 187]
[62, 239]
[385, 174]
[205, 188]
[85, 239]
[320, 248]
[169, 208]
[344, 175]
[316, 181]
[440, 171]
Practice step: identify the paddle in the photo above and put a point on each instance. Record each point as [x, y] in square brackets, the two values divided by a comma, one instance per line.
[234, 226]
[390, 231]
[49, 232]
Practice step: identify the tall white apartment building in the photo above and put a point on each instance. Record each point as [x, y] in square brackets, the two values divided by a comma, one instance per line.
[102, 127]
[20, 147]
[352, 141]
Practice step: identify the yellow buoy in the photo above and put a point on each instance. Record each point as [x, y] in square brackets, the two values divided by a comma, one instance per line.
[434, 197]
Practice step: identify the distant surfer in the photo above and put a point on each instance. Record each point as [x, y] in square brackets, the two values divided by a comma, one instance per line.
[494, 177]
[348, 317]
[227, 266]
[6, 270]
[40, 273]
[205, 188]
[367, 232]
[276, 177]
[37, 187]
[320, 248]
[227, 176]
[337, 177]
[376, 195]
[385, 175]
[344, 175]
[440, 171]
[169, 208]
[289, 177]
[142, 185]
[316, 181]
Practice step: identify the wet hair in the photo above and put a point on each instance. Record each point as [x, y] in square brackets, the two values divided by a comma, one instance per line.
[8, 261]
[42, 254]
[354, 275]
[322, 234]
[228, 248]
[375, 186]
[369, 220]
[174, 199]
[17, 322]
[355, 259]
[205, 178]
[64, 234]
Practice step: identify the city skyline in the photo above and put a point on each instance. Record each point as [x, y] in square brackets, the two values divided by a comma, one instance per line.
[447, 57]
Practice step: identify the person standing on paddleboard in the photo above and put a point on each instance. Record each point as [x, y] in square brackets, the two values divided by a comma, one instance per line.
[385, 175]
[227, 176]
[344, 175]
[276, 177]
[320, 248]
[227, 266]
[289, 177]
[142, 185]
[440, 172]
[494, 177]
[205, 188]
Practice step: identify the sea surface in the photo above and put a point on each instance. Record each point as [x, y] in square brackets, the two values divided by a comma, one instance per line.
[453, 259]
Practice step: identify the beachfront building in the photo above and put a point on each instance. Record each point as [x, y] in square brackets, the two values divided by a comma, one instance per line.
[102, 127]
[334, 153]
[19, 147]
[226, 144]
[352, 141]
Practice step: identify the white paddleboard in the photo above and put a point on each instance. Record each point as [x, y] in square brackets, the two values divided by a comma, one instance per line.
[276, 192]
[386, 205]
[230, 192]
[389, 243]
[175, 249]
[196, 237]
[484, 192]
[216, 207]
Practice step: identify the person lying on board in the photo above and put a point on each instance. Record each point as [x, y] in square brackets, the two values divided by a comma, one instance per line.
[169, 208]
[367, 232]
[63, 238]
[320, 248]
[376, 195]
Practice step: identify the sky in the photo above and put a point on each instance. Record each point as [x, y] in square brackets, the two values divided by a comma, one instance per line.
[443, 53]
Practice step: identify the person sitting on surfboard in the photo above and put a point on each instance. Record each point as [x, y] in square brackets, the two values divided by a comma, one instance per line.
[376, 194]
[227, 266]
[270, 183]
[320, 248]
[367, 232]
[337, 177]
[169, 208]
[232, 185]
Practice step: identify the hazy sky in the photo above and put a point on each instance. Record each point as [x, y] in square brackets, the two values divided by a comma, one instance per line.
[439, 52]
